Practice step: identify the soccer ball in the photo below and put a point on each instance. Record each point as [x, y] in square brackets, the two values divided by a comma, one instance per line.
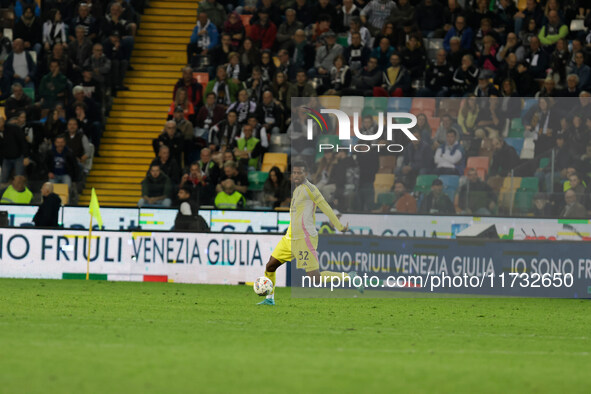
[263, 286]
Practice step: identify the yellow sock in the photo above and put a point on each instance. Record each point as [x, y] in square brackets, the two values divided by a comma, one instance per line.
[331, 274]
[271, 275]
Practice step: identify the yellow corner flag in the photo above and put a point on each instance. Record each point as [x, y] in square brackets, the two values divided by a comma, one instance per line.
[94, 209]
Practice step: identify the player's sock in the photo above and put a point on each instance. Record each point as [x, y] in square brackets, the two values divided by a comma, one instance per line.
[271, 275]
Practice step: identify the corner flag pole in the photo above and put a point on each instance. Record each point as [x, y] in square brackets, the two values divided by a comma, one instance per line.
[88, 255]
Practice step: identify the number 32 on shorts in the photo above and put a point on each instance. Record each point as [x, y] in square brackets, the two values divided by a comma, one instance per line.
[303, 255]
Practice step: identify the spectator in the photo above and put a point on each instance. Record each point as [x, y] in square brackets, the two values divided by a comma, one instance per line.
[504, 159]
[302, 54]
[269, 113]
[181, 99]
[537, 59]
[356, 54]
[258, 131]
[264, 31]
[447, 124]
[404, 202]
[383, 53]
[244, 108]
[463, 32]
[234, 69]
[316, 31]
[234, 27]
[13, 147]
[541, 206]
[276, 190]
[228, 198]
[414, 58]
[249, 55]
[324, 7]
[221, 53]
[575, 184]
[375, 14]
[86, 21]
[48, 213]
[215, 12]
[203, 39]
[28, 28]
[417, 160]
[194, 181]
[369, 77]
[511, 46]
[210, 114]
[18, 102]
[52, 88]
[79, 49]
[100, 65]
[581, 70]
[223, 87]
[552, 31]
[61, 164]
[84, 124]
[248, 148]
[17, 192]
[156, 189]
[325, 55]
[526, 86]
[449, 158]
[423, 128]
[54, 30]
[114, 21]
[430, 18]
[404, 13]
[19, 66]
[167, 164]
[572, 86]
[53, 126]
[187, 132]
[289, 28]
[172, 138]
[465, 77]
[303, 88]
[223, 134]
[187, 217]
[239, 179]
[438, 77]
[77, 143]
[285, 65]
[475, 197]
[436, 202]
[573, 208]
[210, 172]
[396, 80]
[339, 77]
[115, 52]
[357, 28]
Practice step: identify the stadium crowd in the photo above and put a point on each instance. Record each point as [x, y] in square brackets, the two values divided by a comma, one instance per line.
[484, 78]
[61, 65]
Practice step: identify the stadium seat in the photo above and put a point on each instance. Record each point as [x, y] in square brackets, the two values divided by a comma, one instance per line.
[271, 160]
[434, 124]
[374, 105]
[382, 184]
[529, 147]
[30, 92]
[331, 102]
[386, 198]
[399, 104]
[326, 139]
[507, 193]
[530, 184]
[527, 105]
[202, 78]
[350, 104]
[516, 128]
[423, 105]
[423, 184]
[544, 162]
[62, 190]
[478, 162]
[343, 41]
[387, 164]
[449, 106]
[525, 194]
[450, 184]
[516, 143]
[256, 180]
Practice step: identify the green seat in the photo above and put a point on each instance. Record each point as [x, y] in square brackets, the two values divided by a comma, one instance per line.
[524, 200]
[530, 184]
[256, 180]
[386, 199]
[30, 92]
[372, 106]
[424, 182]
[515, 134]
[544, 161]
[516, 124]
[342, 41]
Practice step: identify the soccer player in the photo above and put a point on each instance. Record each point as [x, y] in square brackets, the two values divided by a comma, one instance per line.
[301, 234]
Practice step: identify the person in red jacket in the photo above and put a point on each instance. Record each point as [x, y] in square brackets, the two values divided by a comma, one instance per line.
[264, 31]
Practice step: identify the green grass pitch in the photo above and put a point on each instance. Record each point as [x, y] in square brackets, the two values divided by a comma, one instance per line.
[109, 337]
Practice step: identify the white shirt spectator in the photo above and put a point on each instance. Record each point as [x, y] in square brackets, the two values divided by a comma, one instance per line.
[19, 64]
[448, 156]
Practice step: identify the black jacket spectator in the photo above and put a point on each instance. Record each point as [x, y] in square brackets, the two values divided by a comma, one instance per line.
[71, 165]
[30, 32]
[12, 144]
[504, 160]
[170, 168]
[48, 213]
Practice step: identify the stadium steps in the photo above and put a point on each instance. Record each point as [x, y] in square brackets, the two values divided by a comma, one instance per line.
[138, 115]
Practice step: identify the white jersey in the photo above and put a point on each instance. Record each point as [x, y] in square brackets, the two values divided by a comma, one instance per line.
[306, 197]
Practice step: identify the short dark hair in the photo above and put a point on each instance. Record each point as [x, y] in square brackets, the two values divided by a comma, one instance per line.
[187, 189]
[300, 164]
